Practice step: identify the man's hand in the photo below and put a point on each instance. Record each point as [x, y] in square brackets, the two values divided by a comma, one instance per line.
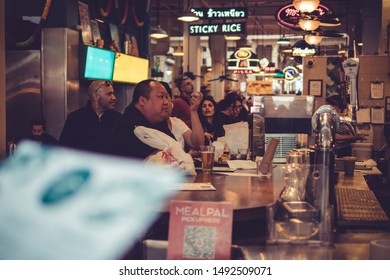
[195, 100]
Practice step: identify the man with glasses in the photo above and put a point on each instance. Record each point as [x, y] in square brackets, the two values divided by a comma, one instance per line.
[149, 108]
[181, 104]
[87, 128]
[233, 110]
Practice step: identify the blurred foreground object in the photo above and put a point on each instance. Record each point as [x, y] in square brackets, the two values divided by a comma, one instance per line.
[58, 203]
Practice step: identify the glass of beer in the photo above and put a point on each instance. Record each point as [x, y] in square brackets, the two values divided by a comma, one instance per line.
[207, 156]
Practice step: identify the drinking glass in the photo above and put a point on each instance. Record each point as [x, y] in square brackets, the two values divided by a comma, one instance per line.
[207, 156]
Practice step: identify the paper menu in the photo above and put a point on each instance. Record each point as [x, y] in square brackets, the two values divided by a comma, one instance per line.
[57, 203]
[363, 115]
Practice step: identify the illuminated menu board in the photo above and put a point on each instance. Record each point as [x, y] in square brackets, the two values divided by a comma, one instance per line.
[130, 69]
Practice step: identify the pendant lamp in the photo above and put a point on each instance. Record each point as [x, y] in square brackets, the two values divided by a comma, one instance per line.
[306, 6]
[187, 15]
[157, 32]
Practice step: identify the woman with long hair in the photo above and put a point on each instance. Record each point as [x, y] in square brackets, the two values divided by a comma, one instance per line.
[210, 119]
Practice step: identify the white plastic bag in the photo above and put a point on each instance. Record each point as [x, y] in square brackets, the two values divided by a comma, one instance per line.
[171, 152]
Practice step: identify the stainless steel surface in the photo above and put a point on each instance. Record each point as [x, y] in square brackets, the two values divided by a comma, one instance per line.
[60, 76]
[23, 92]
[348, 246]
[325, 122]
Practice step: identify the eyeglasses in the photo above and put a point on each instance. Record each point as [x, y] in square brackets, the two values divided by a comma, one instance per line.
[234, 107]
[106, 83]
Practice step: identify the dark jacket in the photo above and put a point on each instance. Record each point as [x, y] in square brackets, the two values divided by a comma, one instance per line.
[123, 142]
[85, 131]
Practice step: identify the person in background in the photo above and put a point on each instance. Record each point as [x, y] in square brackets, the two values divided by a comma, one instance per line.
[210, 119]
[181, 104]
[38, 133]
[189, 138]
[346, 133]
[231, 110]
[87, 128]
[149, 108]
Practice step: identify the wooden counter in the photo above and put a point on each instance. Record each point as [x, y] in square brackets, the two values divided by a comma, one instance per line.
[248, 193]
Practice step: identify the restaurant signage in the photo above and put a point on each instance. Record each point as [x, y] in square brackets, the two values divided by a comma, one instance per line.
[290, 73]
[289, 17]
[264, 62]
[217, 29]
[221, 13]
[301, 48]
[243, 60]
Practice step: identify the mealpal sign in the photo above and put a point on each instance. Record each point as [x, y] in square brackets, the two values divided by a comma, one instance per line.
[217, 29]
[221, 13]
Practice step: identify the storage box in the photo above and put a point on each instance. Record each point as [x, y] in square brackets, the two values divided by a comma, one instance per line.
[362, 151]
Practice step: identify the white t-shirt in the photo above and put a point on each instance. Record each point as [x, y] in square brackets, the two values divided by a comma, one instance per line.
[178, 129]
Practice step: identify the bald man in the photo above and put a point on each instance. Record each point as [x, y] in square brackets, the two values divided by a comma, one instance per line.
[149, 108]
[87, 128]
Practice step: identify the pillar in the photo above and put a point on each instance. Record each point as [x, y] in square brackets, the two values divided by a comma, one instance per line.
[217, 47]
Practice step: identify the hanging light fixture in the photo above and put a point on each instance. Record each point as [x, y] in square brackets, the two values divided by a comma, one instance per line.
[178, 51]
[313, 39]
[246, 47]
[309, 24]
[232, 37]
[283, 41]
[187, 15]
[306, 6]
[157, 32]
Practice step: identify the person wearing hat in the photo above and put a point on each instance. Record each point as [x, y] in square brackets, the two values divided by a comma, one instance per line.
[88, 127]
[346, 133]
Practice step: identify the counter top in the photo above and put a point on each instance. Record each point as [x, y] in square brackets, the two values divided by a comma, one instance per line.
[347, 246]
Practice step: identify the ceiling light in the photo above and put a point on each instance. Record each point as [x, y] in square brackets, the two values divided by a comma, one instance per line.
[283, 41]
[158, 33]
[312, 39]
[306, 6]
[188, 16]
[178, 51]
[232, 37]
[246, 46]
[309, 24]
[342, 51]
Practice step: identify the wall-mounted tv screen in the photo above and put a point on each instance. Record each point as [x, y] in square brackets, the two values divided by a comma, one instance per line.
[130, 69]
[96, 63]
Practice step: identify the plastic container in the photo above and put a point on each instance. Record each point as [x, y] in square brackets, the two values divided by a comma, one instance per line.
[362, 151]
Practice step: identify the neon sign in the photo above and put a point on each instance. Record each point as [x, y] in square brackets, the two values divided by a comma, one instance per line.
[221, 13]
[217, 29]
[289, 17]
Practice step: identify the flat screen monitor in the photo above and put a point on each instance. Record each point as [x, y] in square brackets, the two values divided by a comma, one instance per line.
[130, 69]
[96, 63]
